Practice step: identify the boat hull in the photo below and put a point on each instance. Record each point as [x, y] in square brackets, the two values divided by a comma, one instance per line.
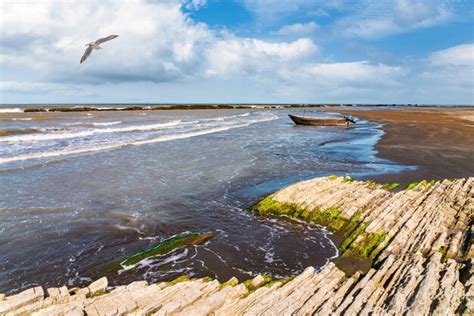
[320, 121]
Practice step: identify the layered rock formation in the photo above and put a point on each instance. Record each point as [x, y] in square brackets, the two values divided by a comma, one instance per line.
[418, 242]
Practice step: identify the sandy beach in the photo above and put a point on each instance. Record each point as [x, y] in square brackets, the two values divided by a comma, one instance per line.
[439, 141]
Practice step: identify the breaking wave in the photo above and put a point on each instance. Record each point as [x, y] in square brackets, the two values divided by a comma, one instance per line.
[11, 110]
[22, 119]
[47, 145]
[54, 136]
[107, 123]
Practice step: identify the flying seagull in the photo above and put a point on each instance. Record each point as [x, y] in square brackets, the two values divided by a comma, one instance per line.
[95, 45]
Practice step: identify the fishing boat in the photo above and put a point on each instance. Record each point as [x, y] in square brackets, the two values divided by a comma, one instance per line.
[321, 121]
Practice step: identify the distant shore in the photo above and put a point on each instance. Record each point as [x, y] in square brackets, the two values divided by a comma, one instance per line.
[30, 108]
[440, 141]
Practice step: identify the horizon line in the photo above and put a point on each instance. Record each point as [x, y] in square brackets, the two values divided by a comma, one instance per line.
[245, 103]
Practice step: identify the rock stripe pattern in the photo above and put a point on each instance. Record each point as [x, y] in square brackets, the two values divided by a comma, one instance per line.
[424, 265]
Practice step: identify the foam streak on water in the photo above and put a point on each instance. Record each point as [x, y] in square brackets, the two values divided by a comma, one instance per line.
[11, 110]
[107, 123]
[83, 143]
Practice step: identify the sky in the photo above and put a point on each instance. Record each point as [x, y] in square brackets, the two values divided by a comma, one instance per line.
[238, 51]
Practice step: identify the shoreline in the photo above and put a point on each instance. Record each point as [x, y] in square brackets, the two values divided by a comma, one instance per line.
[440, 142]
[32, 108]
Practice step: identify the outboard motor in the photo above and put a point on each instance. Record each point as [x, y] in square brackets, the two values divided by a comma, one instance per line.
[349, 119]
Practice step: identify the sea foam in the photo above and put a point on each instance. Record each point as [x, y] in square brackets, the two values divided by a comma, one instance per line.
[11, 110]
[119, 144]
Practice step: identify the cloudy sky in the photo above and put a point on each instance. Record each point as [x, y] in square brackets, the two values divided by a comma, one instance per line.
[238, 51]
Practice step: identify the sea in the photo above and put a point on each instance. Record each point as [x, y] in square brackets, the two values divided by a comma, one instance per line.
[79, 190]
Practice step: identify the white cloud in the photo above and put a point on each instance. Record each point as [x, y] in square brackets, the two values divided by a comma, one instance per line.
[16, 86]
[461, 55]
[361, 71]
[245, 55]
[319, 12]
[270, 11]
[194, 4]
[450, 72]
[157, 41]
[368, 28]
[443, 77]
[286, 51]
[359, 81]
[376, 19]
[420, 13]
[53, 91]
[298, 29]
[346, 74]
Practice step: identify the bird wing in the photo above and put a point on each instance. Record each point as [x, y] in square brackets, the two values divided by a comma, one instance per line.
[86, 54]
[105, 39]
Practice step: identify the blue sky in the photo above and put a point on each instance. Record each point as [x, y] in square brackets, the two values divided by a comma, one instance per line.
[238, 51]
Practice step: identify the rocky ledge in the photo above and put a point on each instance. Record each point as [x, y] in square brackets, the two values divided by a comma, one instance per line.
[416, 243]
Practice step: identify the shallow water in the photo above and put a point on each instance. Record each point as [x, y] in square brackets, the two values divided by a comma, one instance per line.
[79, 190]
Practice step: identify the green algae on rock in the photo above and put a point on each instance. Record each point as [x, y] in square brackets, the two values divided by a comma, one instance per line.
[331, 218]
[424, 183]
[165, 246]
[356, 242]
[180, 279]
[391, 186]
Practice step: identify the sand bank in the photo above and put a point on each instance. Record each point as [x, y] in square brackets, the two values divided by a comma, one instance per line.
[438, 140]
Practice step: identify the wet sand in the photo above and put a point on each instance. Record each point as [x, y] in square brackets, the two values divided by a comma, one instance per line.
[439, 141]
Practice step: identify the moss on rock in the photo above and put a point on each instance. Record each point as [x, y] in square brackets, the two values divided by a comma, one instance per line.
[424, 183]
[330, 218]
[266, 281]
[180, 279]
[365, 244]
[412, 185]
[165, 246]
[444, 254]
[356, 242]
[391, 186]
[427, 183]
[232, 282]
[207, 279]
[347, 179]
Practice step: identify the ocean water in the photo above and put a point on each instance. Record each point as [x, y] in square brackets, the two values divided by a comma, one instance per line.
[79, 190]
